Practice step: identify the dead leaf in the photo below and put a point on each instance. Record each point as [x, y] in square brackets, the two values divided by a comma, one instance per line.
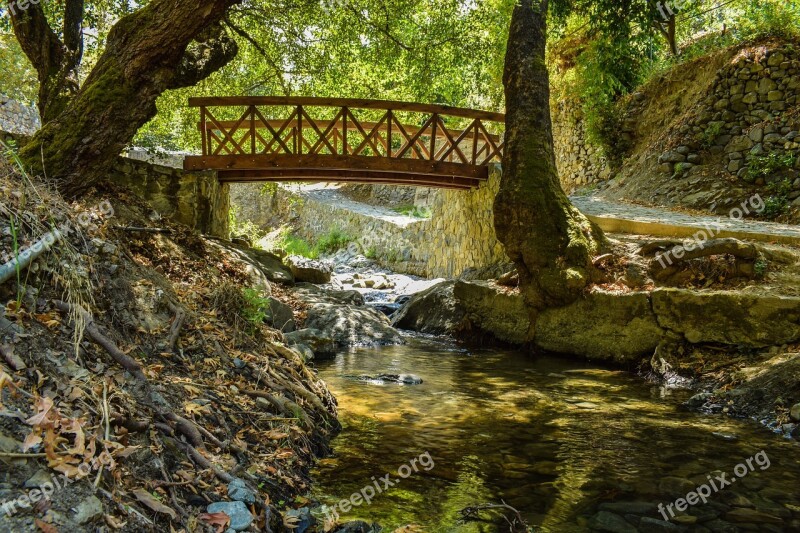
[150, 501]
[45, 527]
[33, 439]
[221, 520]
[114, 522]
[43, 406]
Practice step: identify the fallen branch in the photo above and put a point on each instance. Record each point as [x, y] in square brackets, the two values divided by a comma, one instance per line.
[125, 361]
[29, 255]
[135, 229]
[470, 514]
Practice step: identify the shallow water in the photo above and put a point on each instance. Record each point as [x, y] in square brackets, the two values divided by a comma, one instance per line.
[553, 438]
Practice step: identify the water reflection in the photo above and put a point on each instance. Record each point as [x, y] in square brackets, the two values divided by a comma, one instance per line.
[553, 438]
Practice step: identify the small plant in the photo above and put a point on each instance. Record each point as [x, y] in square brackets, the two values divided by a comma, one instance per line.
[332, 241]
[297, 246]
[711, 134]
[255, 307]
[776, 204]
[765, 166]
[244, 228]
[371, 253]
[413, 211]
[761, 266]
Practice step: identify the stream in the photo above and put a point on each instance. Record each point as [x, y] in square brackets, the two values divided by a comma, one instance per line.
[572, 445]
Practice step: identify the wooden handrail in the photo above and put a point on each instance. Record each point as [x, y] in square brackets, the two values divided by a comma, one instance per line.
[324, 124]
[383, 105]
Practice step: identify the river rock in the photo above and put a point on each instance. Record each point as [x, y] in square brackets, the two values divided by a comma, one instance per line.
[308, 270]
[794, 412]
[358, 526]
[743, 514]
[237, 490]
[653, 525]
[494, 309]
[320, 343]
[279, 315]
[434, 310]
[89, 509]
[611, 523]
[629, 507]
[237, 511]
[613, 327]
[731, 318]
[261, 266]
[349, 325]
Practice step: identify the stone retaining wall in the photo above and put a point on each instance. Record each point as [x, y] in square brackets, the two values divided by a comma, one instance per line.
[579, 163]
[457, 241]
[18, 118]
[750, 112]
[196, 199]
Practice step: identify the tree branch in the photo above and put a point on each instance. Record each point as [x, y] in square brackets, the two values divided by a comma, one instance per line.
[209, 52]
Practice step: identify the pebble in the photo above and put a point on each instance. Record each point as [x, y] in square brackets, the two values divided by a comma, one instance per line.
[237, 511]
[730, 437]
[89, 509]
[237, 490]
[794, 412]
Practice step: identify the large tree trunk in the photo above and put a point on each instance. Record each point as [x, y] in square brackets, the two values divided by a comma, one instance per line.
[166, 45]
[56, 62]
[551, 242]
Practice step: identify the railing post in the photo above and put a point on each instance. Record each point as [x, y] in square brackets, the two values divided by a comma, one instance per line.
[389, 117]
[203, 129]
[252, 130]
[434, 123]
[345, 146]
[299, 150]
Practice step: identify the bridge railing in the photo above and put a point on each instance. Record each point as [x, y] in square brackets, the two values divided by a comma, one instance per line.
[249, 126]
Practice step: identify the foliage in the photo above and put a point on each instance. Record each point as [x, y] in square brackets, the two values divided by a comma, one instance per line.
[767, 165]
[243, 228]
[332, 241]
[777, 203]
[294, 245]
[711, 133]
[256, 307]
[411, 210]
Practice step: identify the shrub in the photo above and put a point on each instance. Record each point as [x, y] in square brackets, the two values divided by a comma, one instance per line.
[765, 166]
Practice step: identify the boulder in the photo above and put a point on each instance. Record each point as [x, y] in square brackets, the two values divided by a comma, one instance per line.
[729, 318]
[279, 315]
[613, 327]
[349, 325]
[494, 309]
[309, 270]
[319, 343]
[434, 310]
[313, 294]
[262, 267]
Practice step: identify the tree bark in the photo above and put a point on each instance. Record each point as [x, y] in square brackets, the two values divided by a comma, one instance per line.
[167, 44]
[56, 62]
[549, 240]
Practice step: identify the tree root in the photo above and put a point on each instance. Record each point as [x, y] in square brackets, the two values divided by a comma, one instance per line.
[28, 256]
[669, 262]
[177, 325]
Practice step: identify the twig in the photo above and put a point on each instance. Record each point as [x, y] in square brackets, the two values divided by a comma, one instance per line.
[22, 455]
[166, 231]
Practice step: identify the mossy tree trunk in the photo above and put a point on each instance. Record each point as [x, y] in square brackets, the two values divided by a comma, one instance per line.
[549, 240]
[166, 45]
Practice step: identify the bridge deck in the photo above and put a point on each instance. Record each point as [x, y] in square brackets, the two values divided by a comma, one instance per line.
[359, 141]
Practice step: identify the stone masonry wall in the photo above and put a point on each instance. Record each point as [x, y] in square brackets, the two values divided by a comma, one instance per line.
[195, 199]
[750, 112]
[18, 118]
[457, 241]
[579, 163]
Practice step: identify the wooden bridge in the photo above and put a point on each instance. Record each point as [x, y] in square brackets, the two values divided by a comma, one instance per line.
[346, 140]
